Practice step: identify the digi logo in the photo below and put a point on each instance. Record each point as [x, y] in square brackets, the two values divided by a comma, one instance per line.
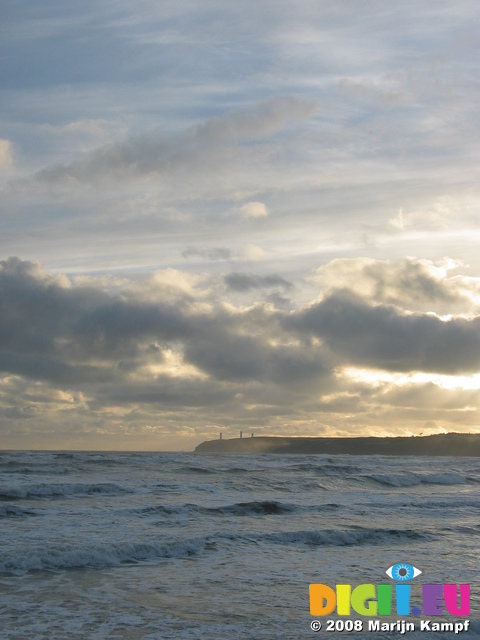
[372, 600]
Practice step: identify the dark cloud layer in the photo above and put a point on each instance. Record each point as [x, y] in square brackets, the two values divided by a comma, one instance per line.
[74, 333]
[100, 351]
[50, 327]
[381, 337]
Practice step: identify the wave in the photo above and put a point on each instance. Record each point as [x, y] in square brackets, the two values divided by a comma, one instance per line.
[198, 470]
[331, 469]
[456, 502]
[267, 507]
[60, 490]
[90, 556]
[86, 456]
[410, 480]
[254, 508]
[168, 510]
[35, 469]
[237, 509]
[14, 511]
[473, 530]
[340, 538]
[89, 459]
[98, 557]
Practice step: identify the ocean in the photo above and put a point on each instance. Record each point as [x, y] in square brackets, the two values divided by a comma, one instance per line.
[98, 545]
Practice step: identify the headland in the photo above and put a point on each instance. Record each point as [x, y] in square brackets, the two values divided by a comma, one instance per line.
[448, 444]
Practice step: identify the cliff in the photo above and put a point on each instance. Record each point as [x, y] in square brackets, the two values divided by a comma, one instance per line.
[450, 444]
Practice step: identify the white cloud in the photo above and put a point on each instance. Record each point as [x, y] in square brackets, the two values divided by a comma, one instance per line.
[398, 223]
[413, 284]
[253, 252]
[254, 210]
[6, 154]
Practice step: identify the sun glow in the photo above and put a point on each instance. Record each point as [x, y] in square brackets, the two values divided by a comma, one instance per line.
[375, 377]
[174, 366]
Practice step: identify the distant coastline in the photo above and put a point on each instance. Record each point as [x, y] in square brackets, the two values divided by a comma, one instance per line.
[449, 444]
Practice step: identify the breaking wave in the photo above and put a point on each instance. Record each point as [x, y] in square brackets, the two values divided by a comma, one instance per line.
[49, 558]
[54, 558]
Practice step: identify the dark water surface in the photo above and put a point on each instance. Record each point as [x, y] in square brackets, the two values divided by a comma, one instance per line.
[149, 545]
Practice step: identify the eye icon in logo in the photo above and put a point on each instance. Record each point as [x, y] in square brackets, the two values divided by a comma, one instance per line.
[402, 572]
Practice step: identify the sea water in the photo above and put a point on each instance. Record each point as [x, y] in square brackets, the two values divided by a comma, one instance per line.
[184, 545]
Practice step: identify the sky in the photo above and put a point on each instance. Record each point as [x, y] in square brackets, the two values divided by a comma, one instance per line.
[223, 216]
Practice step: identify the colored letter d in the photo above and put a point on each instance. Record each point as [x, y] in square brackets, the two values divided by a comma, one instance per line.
[322, 599]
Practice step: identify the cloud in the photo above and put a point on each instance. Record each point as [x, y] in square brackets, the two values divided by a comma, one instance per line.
[6, 154]
[245, 282]
[214, 254]
[157, 155]
[247, 359]
[253, 252]
[398, 222]
[77, 330]
[92, 332]
[112, 353]
[412, 284]
[383, 337]
[254, 210]
[126, 349]
[180, 173]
